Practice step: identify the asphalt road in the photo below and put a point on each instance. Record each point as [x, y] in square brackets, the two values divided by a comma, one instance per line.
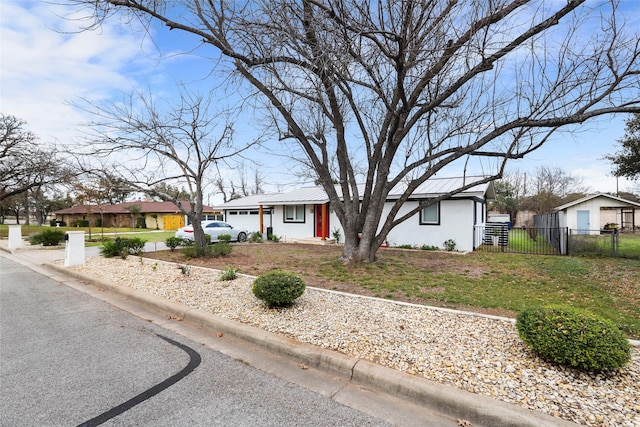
[68, 359]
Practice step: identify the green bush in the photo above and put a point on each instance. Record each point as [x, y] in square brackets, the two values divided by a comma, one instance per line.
[278, 288]
[80, 223]
[405, 246]
[224, 238]
[122, 247]
[173, 242]
[216, 250]
[47, 237]
[220, 249]
[429, 248]
[255, 237]
[574, 337]
[136, 245]
[229, 274]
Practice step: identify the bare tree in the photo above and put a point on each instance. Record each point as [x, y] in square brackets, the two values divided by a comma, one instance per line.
[144, 146]
[26, 164]
[412, 88]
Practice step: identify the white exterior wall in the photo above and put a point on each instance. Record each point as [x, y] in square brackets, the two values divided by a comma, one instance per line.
[294, 230]
[593, 206]
[456, 222]
[248, 221]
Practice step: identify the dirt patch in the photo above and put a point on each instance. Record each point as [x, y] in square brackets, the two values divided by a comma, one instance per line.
[308, 260]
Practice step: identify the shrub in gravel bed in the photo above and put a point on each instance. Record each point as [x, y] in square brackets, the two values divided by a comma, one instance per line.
[47, 237]
[574, 337]
[122, 247]
[278, 288]
[173, 242]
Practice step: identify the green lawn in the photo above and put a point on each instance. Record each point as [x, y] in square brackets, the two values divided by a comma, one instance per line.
[96, 233]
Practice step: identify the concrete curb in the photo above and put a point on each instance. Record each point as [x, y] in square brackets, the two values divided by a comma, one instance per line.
[480, 410]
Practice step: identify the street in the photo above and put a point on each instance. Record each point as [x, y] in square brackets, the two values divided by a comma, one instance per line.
[70, 359]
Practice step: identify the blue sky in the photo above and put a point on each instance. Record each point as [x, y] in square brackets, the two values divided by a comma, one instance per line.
[44, 70]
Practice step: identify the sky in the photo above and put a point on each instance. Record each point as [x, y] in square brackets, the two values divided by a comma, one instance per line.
[47, 65]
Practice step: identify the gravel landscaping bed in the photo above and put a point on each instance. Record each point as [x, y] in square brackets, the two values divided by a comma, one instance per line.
[475, 353]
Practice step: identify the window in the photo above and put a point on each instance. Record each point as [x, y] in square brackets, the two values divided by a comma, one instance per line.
[430, 215]
[294, 213]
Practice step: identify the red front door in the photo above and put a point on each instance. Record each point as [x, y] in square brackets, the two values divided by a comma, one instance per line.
[319, 213]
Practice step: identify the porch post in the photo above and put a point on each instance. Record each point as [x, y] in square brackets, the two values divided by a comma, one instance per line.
[325, 212]
[261, 220]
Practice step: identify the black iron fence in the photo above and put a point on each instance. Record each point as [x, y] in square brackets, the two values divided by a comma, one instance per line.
[500, 237]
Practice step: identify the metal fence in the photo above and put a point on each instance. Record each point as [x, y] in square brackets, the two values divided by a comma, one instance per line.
[594, 243]
[500, 237]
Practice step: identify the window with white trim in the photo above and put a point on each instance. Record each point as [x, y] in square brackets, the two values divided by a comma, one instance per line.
[430, 215]
[294, 213]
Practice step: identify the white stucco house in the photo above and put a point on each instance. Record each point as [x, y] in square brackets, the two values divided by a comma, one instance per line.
[590, 214]
[306, 213]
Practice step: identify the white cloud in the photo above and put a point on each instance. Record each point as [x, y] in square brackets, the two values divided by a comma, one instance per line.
[44, 69]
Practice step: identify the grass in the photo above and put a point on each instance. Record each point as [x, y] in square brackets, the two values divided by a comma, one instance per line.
[96, 232]
[497, 283]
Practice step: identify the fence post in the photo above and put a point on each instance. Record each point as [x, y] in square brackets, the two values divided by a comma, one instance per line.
[614, 243]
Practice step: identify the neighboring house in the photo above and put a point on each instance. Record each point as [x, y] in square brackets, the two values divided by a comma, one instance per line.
[154, 215]
[306, 213]
[590, 214]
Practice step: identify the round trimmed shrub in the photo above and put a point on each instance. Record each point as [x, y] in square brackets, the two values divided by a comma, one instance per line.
[278, 288]
[574, 337]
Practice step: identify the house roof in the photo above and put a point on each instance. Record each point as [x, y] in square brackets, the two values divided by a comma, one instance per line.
[433, 187]
[595, 196]
[248, 202]
[122, 208]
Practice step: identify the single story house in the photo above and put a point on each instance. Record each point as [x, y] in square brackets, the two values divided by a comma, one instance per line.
[306, 213]
[590, 214]
[144, 214]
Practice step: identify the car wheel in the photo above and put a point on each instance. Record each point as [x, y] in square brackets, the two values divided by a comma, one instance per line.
[242, 237]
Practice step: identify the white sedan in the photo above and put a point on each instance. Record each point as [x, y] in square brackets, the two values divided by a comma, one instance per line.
[214, 229]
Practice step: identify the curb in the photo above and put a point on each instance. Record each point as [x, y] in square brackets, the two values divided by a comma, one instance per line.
[480, 410]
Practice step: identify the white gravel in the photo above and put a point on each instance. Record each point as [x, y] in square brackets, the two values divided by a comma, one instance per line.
[478, 354]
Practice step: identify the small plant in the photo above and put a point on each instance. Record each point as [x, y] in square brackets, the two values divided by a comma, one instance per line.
[224, 238]
[429, 248]
[336, 234]
[122, 247]
[273, 238]
[229, 274]
[574, 337]
[450, 245]
[255, 237]
[405, 246]
[154, 267]
[136, 245]
[173, 242]
[47, 237]
[220, 249]
[184, 269]
[278, 288]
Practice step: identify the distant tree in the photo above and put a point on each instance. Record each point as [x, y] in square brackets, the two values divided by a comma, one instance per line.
[550, 187]
[405, 90]
[24, 162]
[151, 148]
[626, 162]
[506, 199]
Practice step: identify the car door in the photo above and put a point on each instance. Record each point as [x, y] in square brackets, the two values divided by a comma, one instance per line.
[228, 229]
[213, 229]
